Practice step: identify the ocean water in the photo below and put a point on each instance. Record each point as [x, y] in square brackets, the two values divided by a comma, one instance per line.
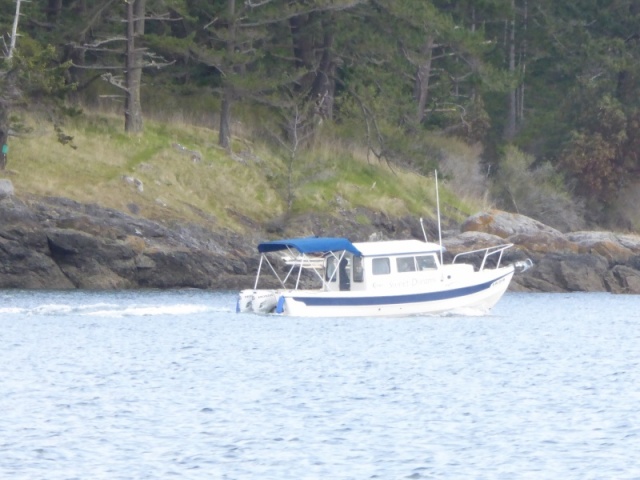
[160, 385]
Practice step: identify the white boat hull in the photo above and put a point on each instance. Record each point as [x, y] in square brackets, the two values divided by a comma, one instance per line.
[380, 279]
[474, 296]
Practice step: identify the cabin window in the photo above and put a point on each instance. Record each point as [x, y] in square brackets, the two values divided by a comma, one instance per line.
[330, 271]
[426, 262]
[406, 264]
[380, 266]
[358, 270]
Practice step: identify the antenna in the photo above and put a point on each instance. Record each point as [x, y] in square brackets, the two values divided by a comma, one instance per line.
[423, 231]
[438, 211]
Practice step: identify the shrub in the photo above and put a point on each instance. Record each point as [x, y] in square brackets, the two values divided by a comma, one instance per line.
[536, 191]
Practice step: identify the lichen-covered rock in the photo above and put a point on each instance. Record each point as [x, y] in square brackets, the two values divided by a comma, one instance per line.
[578, 261]
[505, 225]
[607, 244]
[471, 240]
[542, 242]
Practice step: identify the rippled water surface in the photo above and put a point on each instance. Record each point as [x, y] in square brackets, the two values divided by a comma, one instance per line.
[160, 385]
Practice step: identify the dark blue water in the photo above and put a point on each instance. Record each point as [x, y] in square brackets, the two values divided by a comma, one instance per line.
[162, 385]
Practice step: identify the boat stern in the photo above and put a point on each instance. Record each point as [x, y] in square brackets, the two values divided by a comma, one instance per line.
[257, 301]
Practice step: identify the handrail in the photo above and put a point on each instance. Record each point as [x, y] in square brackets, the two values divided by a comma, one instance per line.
[304, 261]
[488, 251]
[292, 261]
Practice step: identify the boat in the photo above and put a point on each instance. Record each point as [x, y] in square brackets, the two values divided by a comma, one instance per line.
[381, 278]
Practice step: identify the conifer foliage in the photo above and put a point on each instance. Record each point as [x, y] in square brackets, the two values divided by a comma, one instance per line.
[558, 80]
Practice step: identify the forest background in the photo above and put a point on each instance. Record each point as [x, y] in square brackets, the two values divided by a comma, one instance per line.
[283, 106]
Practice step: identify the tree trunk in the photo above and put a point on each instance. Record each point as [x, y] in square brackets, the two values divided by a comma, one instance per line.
[4, 136]
[54, 8]
[323, 87]
[315, 59]
[133, 77]
[224, 133]
[523, 62]
[422, 80]
[303, 49]
[510, 124]
[14, 31]
[7, 91]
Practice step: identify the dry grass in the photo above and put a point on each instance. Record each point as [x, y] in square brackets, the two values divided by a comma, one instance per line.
[172, 185]
[218, 187]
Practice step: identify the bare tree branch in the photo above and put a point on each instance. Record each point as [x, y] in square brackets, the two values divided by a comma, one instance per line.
[115, 80]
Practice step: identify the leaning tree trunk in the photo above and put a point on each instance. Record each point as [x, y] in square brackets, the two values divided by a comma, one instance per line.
[133, 77]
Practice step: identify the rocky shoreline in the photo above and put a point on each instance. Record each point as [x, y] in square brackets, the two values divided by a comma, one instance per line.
[56, 243]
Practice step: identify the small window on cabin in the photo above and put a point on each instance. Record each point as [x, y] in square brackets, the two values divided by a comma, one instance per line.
[380, 266]
[406, 264]
[426, 262]
[330, 274]
[358, 269]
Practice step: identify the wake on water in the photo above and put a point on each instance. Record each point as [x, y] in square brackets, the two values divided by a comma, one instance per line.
[110, 310]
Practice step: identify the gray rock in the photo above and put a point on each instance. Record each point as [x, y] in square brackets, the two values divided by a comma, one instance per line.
[623, 279]
[6, 188]
[58, 243]
[577, 261]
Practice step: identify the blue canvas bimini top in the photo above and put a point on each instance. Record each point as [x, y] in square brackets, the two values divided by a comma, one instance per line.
[310, 245]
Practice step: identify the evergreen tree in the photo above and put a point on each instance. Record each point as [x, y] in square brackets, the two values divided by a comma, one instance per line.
[599, 155]
[31, 79]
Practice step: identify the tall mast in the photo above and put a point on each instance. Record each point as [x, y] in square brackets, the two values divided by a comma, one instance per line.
[438, 211]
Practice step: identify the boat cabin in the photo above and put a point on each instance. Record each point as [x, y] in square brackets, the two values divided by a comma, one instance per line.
[382, 265]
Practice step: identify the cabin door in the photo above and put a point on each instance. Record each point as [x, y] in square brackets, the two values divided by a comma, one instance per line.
[344, 275]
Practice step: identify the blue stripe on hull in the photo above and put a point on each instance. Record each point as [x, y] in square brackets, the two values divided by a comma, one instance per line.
[314, 301]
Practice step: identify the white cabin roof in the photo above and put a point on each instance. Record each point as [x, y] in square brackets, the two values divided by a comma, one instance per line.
[396, 247]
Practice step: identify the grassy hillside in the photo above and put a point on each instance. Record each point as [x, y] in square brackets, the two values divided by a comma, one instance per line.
[185, 175]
